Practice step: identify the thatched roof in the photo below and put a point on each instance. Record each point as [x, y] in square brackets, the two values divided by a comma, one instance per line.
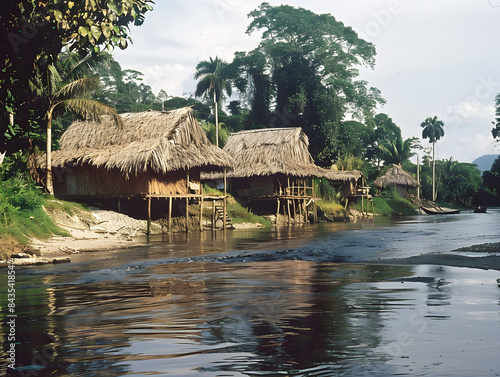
[277, 150]
[396, 176]
[160, 141]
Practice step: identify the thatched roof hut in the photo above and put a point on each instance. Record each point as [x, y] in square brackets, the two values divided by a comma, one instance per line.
[396, 176]
[152, 154]
[271, 151]
[276, 161]
[149, 141]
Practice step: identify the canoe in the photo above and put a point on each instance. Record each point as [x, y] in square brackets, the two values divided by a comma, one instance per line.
[442, 211]
[480, 209]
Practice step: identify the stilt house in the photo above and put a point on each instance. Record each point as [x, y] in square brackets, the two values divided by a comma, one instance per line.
[155, 155]
[275, 165]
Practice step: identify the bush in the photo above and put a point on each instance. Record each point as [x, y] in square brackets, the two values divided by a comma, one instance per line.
[22, 213]
[324, 189]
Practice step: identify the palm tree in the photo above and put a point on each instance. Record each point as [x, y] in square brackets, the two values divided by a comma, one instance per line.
[214, 81]
[399, 150]
[433, 130]
[71, 97]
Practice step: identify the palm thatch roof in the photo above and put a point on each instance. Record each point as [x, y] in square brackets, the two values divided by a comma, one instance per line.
[396, 176]
[156, 140]
[277, 150]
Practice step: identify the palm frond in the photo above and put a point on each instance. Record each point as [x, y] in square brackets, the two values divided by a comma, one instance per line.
[91, 110]
[77, 88]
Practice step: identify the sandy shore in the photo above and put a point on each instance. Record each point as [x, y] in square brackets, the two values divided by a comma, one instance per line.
[96, 230]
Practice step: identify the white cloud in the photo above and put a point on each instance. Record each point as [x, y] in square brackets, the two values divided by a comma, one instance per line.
[430, 55]
[168, 77]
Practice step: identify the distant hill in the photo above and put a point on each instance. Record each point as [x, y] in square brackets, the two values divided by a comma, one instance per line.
[484, 162]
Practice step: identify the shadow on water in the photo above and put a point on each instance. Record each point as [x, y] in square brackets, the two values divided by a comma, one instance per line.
[264, 302]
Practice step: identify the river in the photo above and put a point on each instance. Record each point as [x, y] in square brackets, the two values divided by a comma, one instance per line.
[299, 301]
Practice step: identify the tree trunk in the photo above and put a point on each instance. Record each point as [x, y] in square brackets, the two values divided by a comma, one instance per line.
[216, 122]
[48, 183]
[433, 174]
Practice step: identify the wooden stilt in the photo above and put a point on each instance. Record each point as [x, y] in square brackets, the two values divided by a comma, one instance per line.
[307, 212]
[169, 214]
[187, 201]
[278, 212]
[148, 232]
[201, 207]
[213, 215]
[288, 211]
[187, 214]
[119, 206]
[300, 211]
[201, 214]
[225, 200]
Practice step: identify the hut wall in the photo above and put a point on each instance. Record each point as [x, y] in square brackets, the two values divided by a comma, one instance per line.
[90, 180]
[175, 183]
[402, 190]
[253, 186]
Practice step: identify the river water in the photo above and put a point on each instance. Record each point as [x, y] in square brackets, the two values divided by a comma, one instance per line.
[299, 301]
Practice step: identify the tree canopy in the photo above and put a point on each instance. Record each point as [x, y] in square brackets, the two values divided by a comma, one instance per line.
[33, 33]
[305, 73]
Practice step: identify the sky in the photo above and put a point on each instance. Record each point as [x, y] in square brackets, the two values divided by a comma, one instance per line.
[434, 57]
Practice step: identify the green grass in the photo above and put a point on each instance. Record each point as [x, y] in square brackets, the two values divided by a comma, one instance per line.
[240, 214]
[52, 204]
[21, 212]
[331, 208]
[388, 206]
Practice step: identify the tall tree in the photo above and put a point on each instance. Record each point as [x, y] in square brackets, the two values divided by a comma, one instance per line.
[496, 129]
[214, 81]
[312, 61]
[433, 130]
[70, 96]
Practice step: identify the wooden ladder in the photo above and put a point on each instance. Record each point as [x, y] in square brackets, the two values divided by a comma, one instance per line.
[219, 215]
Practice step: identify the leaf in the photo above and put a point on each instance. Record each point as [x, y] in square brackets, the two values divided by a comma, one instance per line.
[96, 32]
[106, 30]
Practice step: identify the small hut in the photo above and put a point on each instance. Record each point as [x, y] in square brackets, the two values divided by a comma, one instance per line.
[397, 177]
[274, 164]
[157, 154]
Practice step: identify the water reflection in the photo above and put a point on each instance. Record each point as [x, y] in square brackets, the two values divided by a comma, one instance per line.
[263, 303]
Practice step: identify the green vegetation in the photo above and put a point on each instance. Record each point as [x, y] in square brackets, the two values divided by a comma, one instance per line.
[22, 213]
[236, 210]
[331, 209]
[390, 203]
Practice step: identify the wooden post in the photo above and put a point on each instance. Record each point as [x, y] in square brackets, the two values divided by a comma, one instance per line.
[288, 209]
[187, 200]
[187, 214]
[169, 214]
[201, 207]
[148, 232]
[213, 214]
[300, 210]
[278, 212]
[119, 206]
[225, 204]
[306, 208]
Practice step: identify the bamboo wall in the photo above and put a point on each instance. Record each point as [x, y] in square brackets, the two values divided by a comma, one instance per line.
[92, 181]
